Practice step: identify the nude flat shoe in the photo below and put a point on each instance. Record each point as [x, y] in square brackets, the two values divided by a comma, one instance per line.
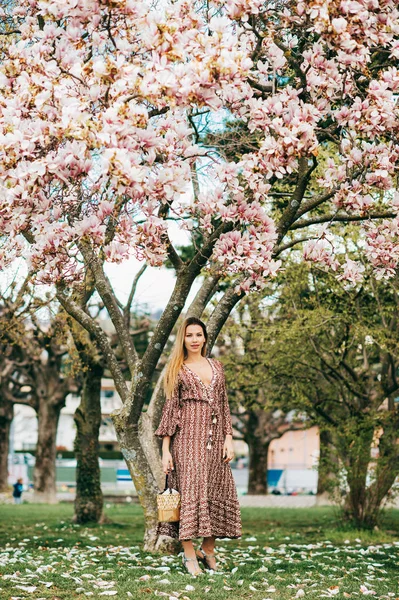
[204, 558]
[185, 560]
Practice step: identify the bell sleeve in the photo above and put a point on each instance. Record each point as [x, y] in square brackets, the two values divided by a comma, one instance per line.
[227, 426]
[170, 419]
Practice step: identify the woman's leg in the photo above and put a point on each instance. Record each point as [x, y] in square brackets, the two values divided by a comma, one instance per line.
[191, 565]
[208, 546]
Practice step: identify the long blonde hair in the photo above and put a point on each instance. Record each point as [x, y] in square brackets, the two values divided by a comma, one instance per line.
[179, 354]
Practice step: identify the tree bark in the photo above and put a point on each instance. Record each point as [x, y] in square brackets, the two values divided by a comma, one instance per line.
[258, 453]
[258, 438]
[6, 416]
[261, 428]
[148, 423]
[356, 458]
[141, 473]
[385, 472]
[44, 482]
[327, 467]
[89, 497]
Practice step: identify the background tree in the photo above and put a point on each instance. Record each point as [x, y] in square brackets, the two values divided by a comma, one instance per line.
[332, 352]
[7, 402]
[87, 418]
[258, 419]
[6, 417]
[35, 372]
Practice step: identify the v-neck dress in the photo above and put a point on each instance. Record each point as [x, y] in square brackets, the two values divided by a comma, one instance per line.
[197, 418]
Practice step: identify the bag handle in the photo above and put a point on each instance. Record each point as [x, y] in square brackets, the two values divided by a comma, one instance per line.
[167, 487]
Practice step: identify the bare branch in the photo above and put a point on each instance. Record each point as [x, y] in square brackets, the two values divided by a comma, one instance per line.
[266, 88]
[340, 218]
[107, 295]
[127, 309]
[204, 253]
[314, 203]
[290, 213]
[203, 296]
[222, 311]
[73, 309]
[171, 250]
[291, 244]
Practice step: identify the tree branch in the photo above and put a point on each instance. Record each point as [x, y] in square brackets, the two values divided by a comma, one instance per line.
[127, 309]
[107, 295]
[289, 215]
[203, 296]
[291, 244]
[201, 257]
[171, 250]
[340, 218]
[314, 203]
[221, 312]
[73, 309]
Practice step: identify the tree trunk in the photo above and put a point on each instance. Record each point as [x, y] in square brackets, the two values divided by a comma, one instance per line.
[327, 468]
[262, 427]
[89, 497]
[386, 470]
[356, 457]
[258, 453]
[143, 478]
[148, 423]
[44, 483]
[258, 440]
[6, 416]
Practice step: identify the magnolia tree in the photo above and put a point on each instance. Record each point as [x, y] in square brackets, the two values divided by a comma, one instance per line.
[99, 111]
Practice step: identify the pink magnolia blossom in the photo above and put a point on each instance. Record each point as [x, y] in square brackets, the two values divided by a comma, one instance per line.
[98, 127]
[352, 271]
[321, 252]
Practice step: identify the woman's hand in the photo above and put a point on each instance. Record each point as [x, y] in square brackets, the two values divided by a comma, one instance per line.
[167, 462]
[228, 449]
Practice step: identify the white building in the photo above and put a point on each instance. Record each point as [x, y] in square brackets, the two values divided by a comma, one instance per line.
[24, 427]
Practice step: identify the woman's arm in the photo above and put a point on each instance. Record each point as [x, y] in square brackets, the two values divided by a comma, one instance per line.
[167, 460]
[228, 448]
[170, 415]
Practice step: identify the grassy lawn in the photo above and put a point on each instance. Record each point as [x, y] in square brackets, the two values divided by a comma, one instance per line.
[283, 553]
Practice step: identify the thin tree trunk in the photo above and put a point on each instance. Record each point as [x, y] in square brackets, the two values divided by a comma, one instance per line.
[148, 423]
[327, 467]
[386, 471]
[356, 457]
[44, 483]
[6, 416]
[258, 440]
[258, 454]
[89, 497]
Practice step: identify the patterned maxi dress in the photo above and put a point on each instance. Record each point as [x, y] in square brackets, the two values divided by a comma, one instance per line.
[197, 417]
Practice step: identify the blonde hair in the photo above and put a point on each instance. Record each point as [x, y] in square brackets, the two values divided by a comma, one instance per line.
[179, 354]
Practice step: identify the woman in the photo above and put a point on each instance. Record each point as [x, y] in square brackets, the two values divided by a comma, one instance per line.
[197, 447]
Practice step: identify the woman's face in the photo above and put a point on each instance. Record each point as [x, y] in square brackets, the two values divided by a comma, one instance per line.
[194, 338]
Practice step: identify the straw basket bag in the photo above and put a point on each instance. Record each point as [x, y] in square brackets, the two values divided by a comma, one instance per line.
[168, 503]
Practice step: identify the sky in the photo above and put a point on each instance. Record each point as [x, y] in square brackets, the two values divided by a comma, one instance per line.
[154, 288]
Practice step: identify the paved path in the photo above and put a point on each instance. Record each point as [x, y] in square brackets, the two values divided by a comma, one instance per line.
[268, 501]
[278, 501]
[251, 501]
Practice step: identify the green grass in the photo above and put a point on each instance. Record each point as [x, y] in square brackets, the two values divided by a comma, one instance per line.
[281, 552]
